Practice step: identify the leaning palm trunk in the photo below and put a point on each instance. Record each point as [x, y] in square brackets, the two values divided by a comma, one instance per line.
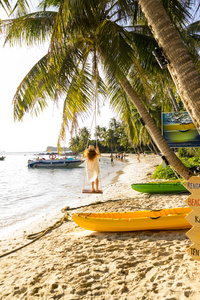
[153, 130]
[183, 72]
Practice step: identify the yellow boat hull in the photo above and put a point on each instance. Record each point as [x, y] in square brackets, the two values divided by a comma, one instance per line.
[165, 219]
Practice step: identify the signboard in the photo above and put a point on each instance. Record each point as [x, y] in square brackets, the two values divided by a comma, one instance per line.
[179, 130]
[194, 218]
[194, 251]
[194, 235]
[193, 185]
[193, 201]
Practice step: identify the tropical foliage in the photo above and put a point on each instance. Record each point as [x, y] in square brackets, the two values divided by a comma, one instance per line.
[84, 35]
[5, 5]
[166, 172]
[111, 139]
[62, 60]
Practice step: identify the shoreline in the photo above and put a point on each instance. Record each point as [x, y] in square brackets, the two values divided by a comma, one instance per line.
[72, 263]
[26, 224]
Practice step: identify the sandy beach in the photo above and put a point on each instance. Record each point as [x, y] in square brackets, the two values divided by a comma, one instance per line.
[72, 263]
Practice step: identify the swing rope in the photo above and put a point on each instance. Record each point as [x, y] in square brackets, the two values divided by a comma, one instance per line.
[94, 120]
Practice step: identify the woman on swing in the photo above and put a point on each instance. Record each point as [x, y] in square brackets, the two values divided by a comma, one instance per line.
[92, 165]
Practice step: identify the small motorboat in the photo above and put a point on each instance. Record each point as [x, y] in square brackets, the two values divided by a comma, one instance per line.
[55, 162]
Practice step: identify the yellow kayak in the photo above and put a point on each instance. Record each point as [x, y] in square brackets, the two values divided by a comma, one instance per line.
[165, 219]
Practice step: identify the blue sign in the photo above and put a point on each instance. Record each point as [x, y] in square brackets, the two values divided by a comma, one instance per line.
[179, 130]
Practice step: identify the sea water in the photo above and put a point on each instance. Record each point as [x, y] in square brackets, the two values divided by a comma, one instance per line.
[27, 193]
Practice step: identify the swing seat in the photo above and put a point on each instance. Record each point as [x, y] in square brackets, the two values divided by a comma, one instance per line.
[91, 192]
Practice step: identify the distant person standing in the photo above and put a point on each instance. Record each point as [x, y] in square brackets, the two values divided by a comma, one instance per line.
[124, 155]
[112, 159]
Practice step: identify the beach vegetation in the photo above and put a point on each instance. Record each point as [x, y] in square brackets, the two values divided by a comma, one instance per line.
[5, 4]
[88, 38]
[189, 152]
[166, 172]
[191, 162]
[111, 139]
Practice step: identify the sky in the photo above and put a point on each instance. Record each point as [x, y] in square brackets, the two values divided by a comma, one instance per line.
[33, 133]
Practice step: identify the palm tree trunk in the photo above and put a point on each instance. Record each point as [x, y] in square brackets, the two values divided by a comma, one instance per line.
[153, 130]
[183, 72]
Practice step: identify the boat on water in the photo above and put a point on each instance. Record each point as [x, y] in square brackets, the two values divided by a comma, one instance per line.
[160, 187]
[55, 162]
[2, 157]
[165, 219]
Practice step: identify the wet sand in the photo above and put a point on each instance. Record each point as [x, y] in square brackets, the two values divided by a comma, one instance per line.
[72, 263]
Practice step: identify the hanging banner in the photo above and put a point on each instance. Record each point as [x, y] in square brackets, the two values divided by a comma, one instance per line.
[179, 130]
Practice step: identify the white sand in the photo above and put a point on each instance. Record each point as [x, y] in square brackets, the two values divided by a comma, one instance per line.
[73, 263]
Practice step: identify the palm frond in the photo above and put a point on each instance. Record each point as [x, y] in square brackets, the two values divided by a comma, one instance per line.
[33, 28]
[21, 7]
[44, 4]
[114, 45]
[178, 12]
[78, 102]
[5, 4]
[31, 95]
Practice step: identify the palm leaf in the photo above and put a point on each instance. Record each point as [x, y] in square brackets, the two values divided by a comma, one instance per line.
[33, 28]
[31, 95]
[21, 7]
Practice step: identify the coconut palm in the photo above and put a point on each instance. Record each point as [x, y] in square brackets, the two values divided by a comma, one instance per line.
[83, 35]
[182, 70]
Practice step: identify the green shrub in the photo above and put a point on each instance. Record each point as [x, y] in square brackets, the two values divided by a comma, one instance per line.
[168, 173]
[188, 152]
[191, 161]
[164, 173]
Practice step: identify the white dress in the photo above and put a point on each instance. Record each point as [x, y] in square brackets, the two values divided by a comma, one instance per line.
[92, 168]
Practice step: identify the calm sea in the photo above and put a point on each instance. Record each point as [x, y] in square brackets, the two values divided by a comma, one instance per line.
[27, 193]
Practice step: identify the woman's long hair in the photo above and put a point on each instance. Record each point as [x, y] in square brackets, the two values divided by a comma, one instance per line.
[90, 154]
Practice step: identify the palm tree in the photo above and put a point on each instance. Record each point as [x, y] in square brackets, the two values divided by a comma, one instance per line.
[78, 143]
[182, 70]
[92, 31]
[84, 137]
